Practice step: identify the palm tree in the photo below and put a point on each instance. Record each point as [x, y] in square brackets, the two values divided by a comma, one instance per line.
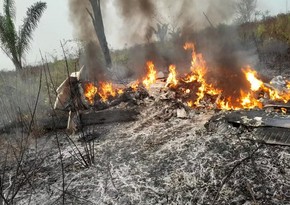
[100, 30]
[15, 44]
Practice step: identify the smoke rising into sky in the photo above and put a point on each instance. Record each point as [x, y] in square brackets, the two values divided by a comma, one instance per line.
[85, 32]
[135, 17]
[55, 25]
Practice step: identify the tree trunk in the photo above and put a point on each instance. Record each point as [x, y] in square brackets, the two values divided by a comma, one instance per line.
[92, 118]
[17, 64]
[100, 31]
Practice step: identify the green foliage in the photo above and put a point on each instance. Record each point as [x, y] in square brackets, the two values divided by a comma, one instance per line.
[275, 28]
[16, 44]
[120, 56]
[260, 30]
[59, 72]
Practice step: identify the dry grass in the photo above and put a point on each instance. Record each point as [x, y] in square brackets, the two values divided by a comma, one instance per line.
[157, 160]
[19, 90]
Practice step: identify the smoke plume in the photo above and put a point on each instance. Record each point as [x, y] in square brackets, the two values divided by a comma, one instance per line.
[199, 21]
[136, 16]
[188, 15]
[85, 32]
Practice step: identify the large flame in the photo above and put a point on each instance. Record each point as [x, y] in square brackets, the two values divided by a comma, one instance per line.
[104, 91]
[171, 80]
[198, 71]
[151, 75]
[251, 76]
[90, 92]
[273, 93]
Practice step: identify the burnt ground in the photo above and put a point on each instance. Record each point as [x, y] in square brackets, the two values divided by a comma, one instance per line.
[158, 159]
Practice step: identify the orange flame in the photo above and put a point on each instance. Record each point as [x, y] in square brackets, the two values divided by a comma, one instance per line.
[274, 94]
[195, 87]
[106, 90]
[90, 92]
[198, 70]
[151, 76]
[190, 104]
[171, 80]
[135, 85]
[249, 102]
[225, 105]
[288, 84]
[251, 76]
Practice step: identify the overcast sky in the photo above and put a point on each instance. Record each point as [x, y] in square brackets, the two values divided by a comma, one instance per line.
[55, 26]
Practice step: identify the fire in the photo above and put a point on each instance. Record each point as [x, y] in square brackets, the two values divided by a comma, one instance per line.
[135, 85]
[251, 76]
[106, 90]
[198, 65]
[195, 89]
[198, 71]
[171, 80]
[249, 102]
[90, 92]
[288, 84]
[151, 75]
[189, 103]
[278, 95]
[273, 93]
[120, 91]
[225, 105]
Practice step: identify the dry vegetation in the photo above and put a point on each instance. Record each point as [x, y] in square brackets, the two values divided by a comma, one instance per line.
[160, 159]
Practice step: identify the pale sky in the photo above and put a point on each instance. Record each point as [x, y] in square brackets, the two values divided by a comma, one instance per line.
[55, 26]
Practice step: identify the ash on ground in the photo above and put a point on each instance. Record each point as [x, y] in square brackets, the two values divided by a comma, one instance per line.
[163, 158]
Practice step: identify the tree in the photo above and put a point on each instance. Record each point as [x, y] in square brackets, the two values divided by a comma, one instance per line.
[245, 10]
[100, 31]
[161, 31]
[15, 44]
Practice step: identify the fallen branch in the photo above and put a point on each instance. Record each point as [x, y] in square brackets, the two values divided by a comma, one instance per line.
[91, 118]
[226, 178]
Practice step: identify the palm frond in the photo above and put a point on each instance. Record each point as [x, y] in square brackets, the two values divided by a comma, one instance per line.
[8, 36]
[9, 8]
[30, 23]
[3, 42]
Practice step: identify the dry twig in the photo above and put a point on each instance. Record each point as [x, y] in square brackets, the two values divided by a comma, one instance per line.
[226, 178]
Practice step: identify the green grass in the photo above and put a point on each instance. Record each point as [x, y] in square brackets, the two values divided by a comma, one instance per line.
[275, 27]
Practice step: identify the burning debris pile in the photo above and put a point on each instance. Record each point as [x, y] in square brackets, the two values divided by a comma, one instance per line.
[178, 150]
[197, 89]
[194, 90]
